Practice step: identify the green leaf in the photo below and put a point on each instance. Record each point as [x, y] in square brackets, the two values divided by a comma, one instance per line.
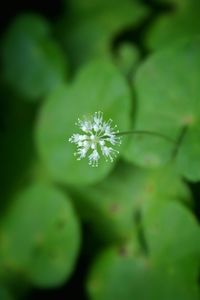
[108, 207]
[111, 206]
[98, 87]
[173, 239]
[40, 237]
[157, 186]
[94, 24]
[184, 22]
[168, 93]
[33, 63]
[118, 274]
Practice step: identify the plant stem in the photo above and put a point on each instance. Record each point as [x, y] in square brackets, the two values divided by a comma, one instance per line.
[148, 133]
[179, 141]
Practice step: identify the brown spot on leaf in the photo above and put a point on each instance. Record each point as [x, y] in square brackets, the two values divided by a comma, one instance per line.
[150, 188]
[188, 120]
[61, 223]
[114, 207]
[123, 251]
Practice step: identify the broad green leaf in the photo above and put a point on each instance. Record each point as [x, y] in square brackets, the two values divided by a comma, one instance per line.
[173, 239]
[181, 23]
[33, 63]
[39, 237]
[93, 25]
[167, 270]
[188, 156]
[118, 274]
[98, 87]
[108, 207]
[168, 91]
[111, 206]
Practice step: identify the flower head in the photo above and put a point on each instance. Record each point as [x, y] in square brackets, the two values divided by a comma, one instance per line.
[98, 136]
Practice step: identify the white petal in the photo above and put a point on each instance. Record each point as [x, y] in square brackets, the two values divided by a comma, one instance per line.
[75, 138]
[98, 117]
[94, 158]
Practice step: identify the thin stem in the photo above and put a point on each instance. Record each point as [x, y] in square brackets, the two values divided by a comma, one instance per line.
[179, 141]
[146, 132]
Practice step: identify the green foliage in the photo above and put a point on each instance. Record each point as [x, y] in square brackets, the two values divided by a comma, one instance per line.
[177, 254]
[111, 206]
[168, 271]
[170, 27]
[98, 87]
[135, 217]
[92, 25]
[33, 62]
[39, 236]
[168, 80]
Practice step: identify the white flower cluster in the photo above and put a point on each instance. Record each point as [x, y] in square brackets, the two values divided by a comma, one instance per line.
[98, 136]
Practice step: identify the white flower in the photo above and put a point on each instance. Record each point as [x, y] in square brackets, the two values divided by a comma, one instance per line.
[98, 136]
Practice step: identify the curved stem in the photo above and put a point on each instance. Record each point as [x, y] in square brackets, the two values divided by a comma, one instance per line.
[146, 132]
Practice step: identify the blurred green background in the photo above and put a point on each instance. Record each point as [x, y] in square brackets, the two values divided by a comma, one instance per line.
[124, 230]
